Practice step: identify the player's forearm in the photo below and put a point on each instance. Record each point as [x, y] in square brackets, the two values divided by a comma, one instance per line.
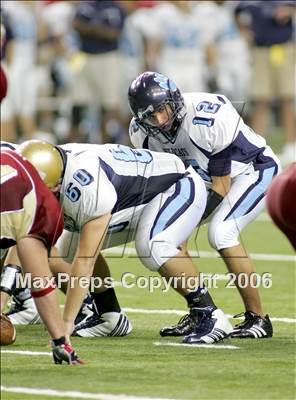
[91, 241]
[77, 288]
[221, 184]
[220, 187]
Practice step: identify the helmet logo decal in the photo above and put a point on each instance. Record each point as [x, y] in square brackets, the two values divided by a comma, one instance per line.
[165, 82]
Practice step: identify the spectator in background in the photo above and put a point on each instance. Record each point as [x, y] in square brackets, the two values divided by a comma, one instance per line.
[56, 21]
[232, 64]
[179, 42]
[133, 48]
[96, 67]
[269, 27]
[18, 109]
[54, 106]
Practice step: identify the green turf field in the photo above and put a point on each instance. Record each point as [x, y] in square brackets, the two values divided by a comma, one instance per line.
[136, 367]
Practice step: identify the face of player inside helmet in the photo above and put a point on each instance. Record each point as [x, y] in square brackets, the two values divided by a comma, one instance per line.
[157, 105]
[46, 158]
[160, 118]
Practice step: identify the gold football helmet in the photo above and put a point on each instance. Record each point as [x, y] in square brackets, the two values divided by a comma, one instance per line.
[45, 158]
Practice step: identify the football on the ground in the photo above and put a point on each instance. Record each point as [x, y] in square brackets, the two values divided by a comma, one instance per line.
[7, 331]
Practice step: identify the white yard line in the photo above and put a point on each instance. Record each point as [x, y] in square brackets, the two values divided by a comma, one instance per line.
[131, 251]
[74, 394]
[204, 346]
[285, 320]
[26, 352]
[182, 312]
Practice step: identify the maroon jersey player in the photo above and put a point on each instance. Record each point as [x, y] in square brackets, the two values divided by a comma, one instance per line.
[31, 219]
[280, 201]
[3, 84]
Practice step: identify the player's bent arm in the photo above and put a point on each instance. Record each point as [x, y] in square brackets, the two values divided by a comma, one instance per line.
[220, 188]
[42, 288]
[57, 263]
[91, 241]
[37, 265]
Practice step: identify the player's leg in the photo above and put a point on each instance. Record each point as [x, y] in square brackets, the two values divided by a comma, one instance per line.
[107, 84]
[239, 262]
[262, 88]
[242, 205]
[285, 78]
[167, 221]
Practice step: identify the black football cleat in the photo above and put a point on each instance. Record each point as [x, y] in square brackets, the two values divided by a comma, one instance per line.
[86, 311]
[184, 327]
[212, 326]
[253, 327]
[107, 324]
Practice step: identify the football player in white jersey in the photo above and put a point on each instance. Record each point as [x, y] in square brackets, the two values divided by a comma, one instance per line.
[113, 194]
[23, 311]
[205, 131]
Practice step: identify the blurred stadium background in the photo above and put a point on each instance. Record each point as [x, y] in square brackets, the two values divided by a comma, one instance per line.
[69, 65]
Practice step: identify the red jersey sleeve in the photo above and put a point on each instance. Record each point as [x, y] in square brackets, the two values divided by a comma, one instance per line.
[28, 208]
[3, 84]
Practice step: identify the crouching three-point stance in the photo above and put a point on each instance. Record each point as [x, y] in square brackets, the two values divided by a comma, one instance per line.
[31, 219]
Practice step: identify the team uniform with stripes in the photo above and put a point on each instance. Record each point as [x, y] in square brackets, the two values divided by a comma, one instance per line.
[215, 141]
[153, 199]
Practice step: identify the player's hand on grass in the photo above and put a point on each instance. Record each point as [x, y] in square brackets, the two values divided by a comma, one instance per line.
[65, 353]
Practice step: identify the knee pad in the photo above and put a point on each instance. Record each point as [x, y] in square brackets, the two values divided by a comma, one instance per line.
[223, 235]
[155, 253]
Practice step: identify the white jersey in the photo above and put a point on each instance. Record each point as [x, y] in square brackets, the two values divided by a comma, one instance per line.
[213, 138]
[107, 178]
[183, 37]
[132, 51]
[22, 17]
[131, 43]
[232, 77]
